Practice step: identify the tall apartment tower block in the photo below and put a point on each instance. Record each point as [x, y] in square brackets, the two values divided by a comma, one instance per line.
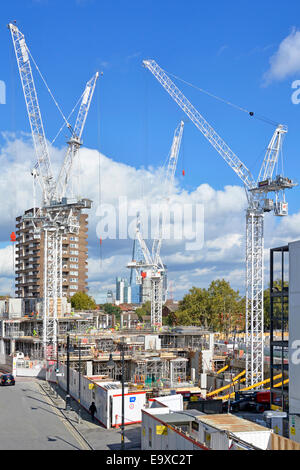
[29, 277]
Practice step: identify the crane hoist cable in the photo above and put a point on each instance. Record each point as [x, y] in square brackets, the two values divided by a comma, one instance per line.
[99, 171]
[65, 123]
[240, 108]
[50, 92]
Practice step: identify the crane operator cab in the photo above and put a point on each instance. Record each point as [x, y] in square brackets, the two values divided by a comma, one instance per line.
[277, 186]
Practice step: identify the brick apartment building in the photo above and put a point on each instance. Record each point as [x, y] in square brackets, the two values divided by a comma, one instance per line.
[30, 259]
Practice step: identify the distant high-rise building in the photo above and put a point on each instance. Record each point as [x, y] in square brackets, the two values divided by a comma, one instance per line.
[123, 291]
[127, 294]
[136, 293]
[30, 259]
[110, 297]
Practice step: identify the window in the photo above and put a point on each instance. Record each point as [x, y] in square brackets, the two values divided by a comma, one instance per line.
[195, 426]
[73, 259]
[74, 252]
[73, 287]
[74, 266]
[150, 437]
[74, 273]
[74, 280]
[73, 245]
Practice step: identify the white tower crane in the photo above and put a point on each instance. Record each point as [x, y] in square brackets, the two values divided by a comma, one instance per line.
[75, 142]
[152, 264]
[56, 216]
[258, 203]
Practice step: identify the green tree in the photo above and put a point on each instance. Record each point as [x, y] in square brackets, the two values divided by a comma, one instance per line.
[227, 307]
[111, 309]
[219, 308]
[194, 308]
[82, 301]
[144, 310]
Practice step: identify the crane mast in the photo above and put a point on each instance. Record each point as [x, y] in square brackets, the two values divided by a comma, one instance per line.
[75, 142]
[168, 184]
[258, 204]
[153, 265]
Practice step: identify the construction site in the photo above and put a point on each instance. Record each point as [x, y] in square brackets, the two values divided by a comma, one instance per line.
[178, 382]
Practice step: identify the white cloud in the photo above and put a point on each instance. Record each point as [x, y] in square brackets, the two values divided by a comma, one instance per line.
[6, 271]
[286, 60]
[6, 261]
[223, 252]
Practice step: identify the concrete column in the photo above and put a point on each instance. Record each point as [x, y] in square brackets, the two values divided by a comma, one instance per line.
[12, 345]
[211, 342]
[2, 347]
[89, 368]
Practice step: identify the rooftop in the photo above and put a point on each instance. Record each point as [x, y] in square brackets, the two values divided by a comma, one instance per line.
[175, 418]
[229, 422]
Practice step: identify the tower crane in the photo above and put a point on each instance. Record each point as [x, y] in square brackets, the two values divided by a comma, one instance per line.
[168, 184]
[152, 265]
[75, 142]
[259, 202]
[57, 215]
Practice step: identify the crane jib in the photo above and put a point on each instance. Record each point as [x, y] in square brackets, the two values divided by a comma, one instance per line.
[198, 120]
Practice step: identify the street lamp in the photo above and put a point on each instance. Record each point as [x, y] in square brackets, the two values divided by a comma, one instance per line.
[111, 365]
[79, 381]
[123, 424]
[68, 374]
[68, 398]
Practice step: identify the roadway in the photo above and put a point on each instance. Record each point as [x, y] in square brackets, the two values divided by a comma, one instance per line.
[33, 417]
[30, 421]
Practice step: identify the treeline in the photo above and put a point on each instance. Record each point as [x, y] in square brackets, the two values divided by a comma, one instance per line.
[218, 308]
[221, 308]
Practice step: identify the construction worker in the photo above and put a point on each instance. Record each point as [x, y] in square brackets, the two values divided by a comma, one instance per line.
[93, 410]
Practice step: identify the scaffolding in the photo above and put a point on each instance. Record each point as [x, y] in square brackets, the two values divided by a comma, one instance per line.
[105, 344]
[32, 350]
[151, 371]
[13, 330]
[178, 371]
[100, 368]
[185, 339]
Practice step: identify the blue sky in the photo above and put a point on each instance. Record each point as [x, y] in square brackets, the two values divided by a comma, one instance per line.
[223, 47]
